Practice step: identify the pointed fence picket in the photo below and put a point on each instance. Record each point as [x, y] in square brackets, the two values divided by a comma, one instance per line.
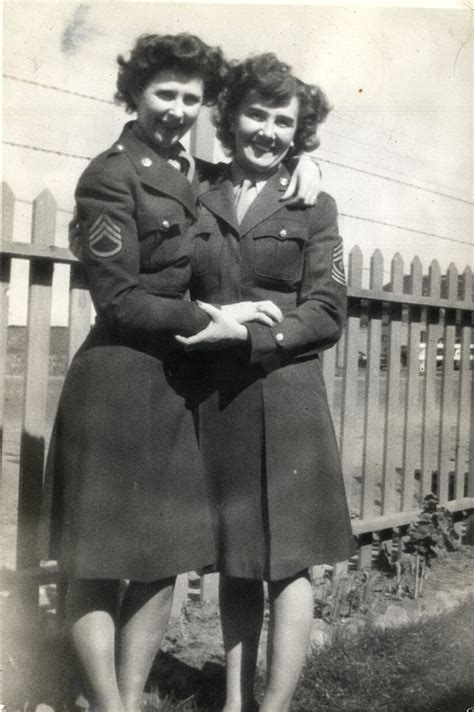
[349, 411]
[447, 390]
[370, 455]
[402, 414]
[464, 424]
[414, 312]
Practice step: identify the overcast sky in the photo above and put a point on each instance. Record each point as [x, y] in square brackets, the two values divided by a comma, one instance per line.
[400, 81]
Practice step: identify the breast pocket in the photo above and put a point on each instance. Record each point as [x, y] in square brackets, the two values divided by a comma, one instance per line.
[278, 250]
[201, 259]
[161, 241]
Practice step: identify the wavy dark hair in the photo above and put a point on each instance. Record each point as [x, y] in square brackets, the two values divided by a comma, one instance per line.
[182, 52]
[273, 80]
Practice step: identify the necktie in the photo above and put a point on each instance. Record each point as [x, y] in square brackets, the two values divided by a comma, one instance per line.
[182, 161]
[245, 196]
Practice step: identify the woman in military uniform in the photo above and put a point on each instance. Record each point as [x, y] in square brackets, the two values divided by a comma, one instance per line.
[265, 428]
[127, 497]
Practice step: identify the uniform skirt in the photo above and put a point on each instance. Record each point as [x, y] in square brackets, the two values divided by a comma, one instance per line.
[124, 489]
[273, 469]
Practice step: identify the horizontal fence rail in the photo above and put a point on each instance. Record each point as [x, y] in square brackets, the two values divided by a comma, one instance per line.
[399, 385]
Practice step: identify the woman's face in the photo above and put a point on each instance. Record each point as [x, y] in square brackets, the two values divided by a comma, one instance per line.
[263, 133]
[169, 106]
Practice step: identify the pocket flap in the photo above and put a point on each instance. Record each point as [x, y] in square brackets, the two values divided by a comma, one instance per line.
[166, 223]
[282, 229]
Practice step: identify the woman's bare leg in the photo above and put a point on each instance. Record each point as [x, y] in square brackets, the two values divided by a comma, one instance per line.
[144, 616]
[241, 609]
[291, 616]
[91, 607]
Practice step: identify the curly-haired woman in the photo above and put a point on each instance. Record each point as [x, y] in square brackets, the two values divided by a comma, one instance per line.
[265, 429]
[127, 497]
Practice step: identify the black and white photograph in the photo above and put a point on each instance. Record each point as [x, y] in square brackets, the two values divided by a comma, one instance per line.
[237, 357]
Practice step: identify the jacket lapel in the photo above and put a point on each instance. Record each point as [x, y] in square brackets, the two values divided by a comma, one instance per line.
[156, 172]
[166, 179]
[220, 200]
[267, 201]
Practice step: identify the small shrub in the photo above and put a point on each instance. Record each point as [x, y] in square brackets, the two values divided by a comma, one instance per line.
[427, 537]
[349, 596]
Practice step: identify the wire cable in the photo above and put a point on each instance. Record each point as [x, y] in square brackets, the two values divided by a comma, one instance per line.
[408, 229]
[30, 202]
[47, 150]
[394, 180]
[60, 89]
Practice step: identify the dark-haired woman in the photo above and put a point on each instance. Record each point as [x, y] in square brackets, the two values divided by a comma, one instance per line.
[128, 499]
[266, 434]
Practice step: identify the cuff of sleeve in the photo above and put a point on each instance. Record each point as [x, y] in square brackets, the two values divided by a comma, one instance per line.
[266, 346]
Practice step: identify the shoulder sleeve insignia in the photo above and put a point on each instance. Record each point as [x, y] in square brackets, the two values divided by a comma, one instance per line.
[104, 237]
[337, 269]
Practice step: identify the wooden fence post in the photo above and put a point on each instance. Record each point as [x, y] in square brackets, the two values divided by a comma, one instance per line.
[447, 386]
[349, 384]
[79, 309]
[210, 588]
[371, 464]
[36, 384]
[391, 454]
[180, 596]
[429, 392]
[8, 206]
[465, 417]
[415, 285]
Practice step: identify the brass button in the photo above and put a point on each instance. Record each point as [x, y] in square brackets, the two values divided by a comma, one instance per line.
[283, 233]
[165, 225]
[284, 181]
[147, 162]
[279, 336]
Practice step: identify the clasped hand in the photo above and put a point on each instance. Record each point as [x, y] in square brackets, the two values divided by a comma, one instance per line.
[228, 323]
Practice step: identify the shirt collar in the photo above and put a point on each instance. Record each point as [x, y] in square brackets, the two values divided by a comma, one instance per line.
[238, 174]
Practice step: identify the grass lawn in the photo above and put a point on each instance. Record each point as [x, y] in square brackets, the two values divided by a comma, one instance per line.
[427, 667]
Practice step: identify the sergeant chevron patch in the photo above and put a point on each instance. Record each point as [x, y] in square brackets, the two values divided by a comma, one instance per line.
[105, 237]
[337, 270]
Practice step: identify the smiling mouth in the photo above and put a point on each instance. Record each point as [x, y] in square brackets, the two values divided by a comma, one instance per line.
[263, 147]
[169, 129]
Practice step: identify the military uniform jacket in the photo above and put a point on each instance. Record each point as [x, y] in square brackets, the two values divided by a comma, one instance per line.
[265, 428]
[125, 496]
[134, 209]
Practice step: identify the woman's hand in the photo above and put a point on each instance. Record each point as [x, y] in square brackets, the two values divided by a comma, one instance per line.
[222, 331]
[265, 312]
[305, 183]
